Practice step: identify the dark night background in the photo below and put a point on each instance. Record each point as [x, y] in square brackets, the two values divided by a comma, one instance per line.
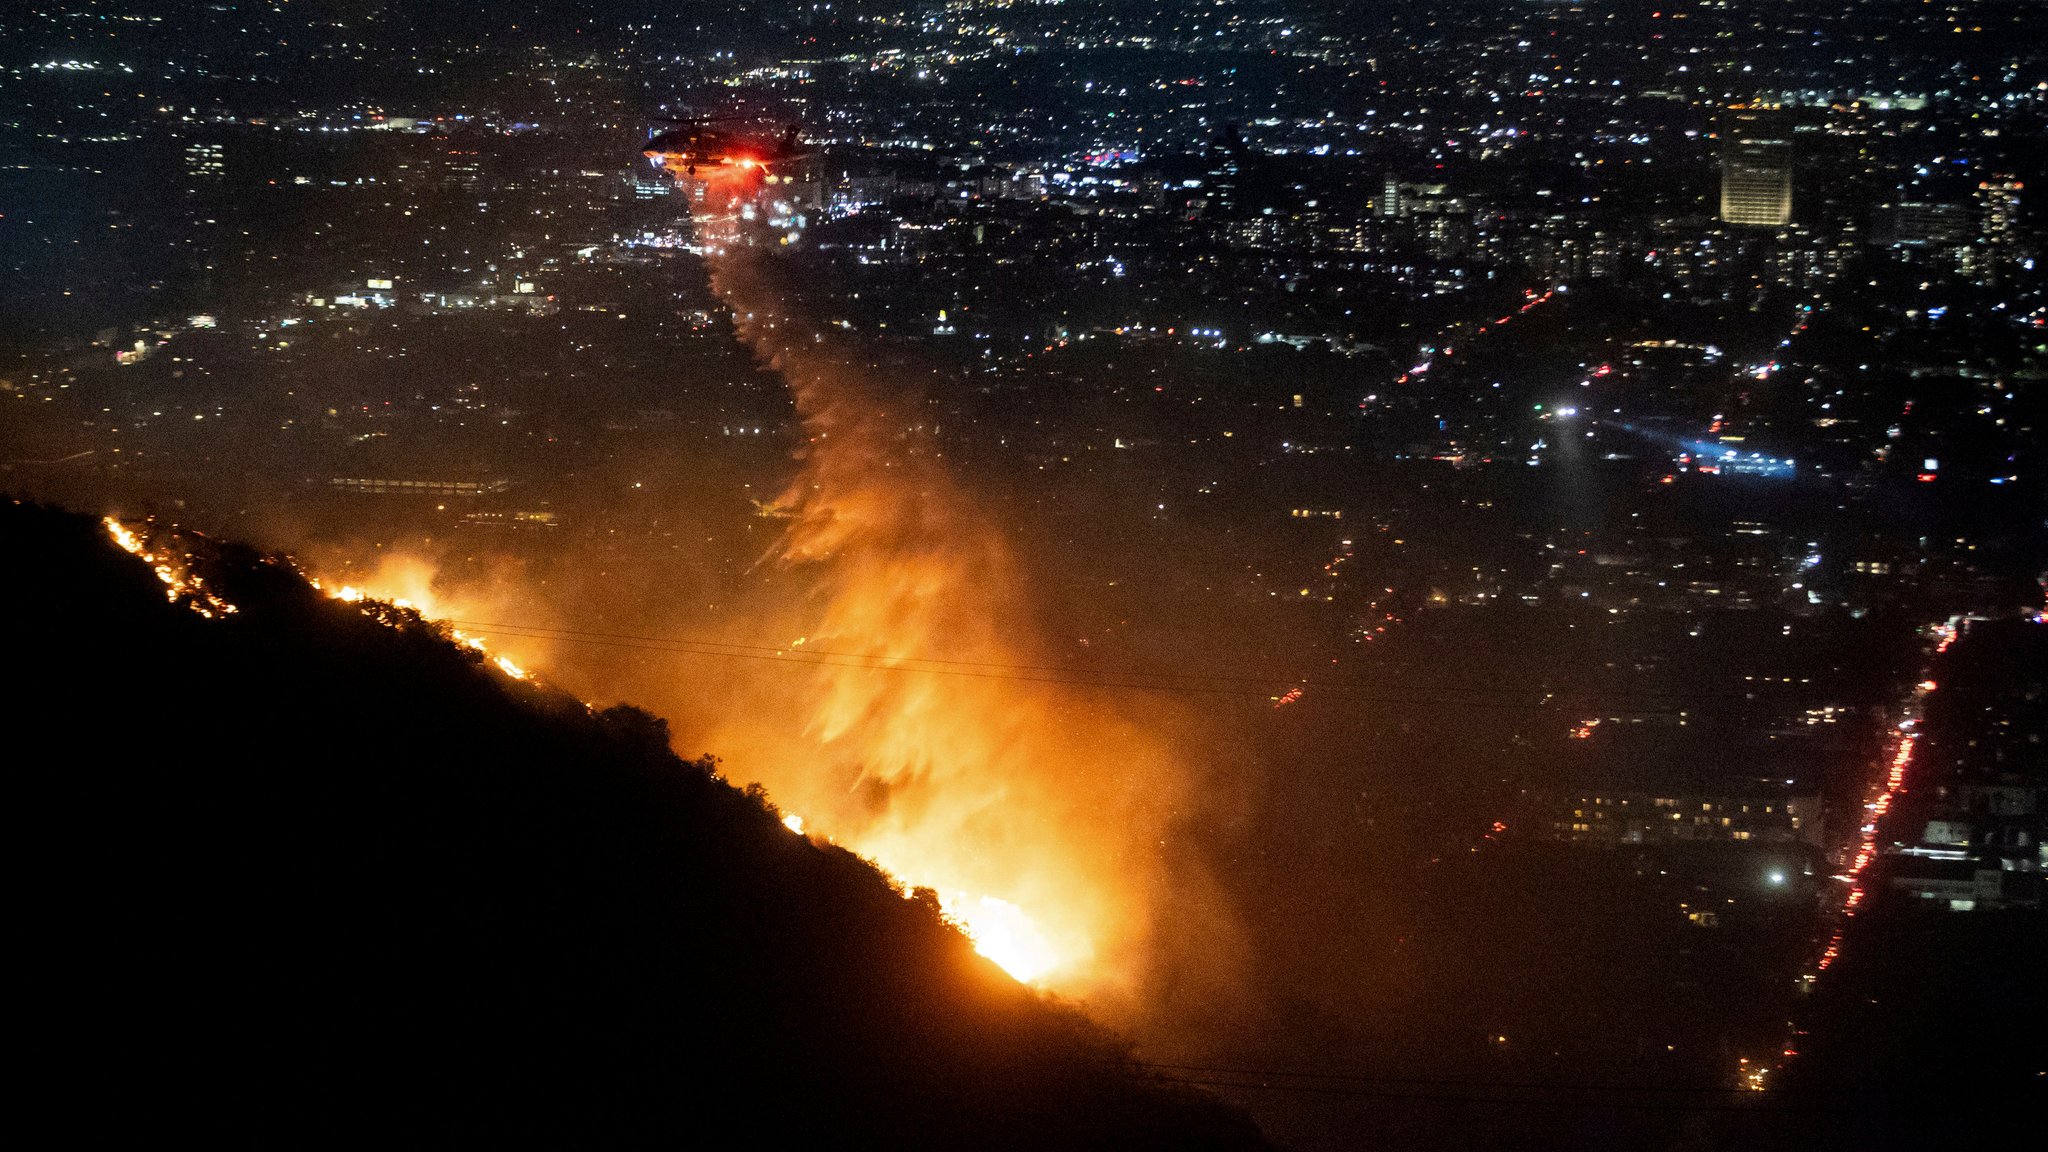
[1463, 503]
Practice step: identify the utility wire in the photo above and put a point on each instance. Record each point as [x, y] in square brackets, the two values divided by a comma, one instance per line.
[1351, 1077]
[684, 648]
[796, 649]
[1365, 1078]
[1507, 1101]
[1181, 682]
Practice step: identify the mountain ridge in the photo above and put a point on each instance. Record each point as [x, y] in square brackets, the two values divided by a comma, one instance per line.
[301, 875]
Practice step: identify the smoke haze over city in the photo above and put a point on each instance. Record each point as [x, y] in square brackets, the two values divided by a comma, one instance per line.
[1452, 575]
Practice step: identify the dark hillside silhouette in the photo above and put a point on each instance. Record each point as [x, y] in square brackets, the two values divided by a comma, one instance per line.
[292, 876]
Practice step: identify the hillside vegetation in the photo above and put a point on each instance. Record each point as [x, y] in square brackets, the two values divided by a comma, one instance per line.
[293, 875]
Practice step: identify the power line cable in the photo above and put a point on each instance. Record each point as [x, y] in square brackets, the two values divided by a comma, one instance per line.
[1507, 1101]
[1366, 1078]
[1348, 1076]
[685, 648]
[781, 649]
[1065, 675]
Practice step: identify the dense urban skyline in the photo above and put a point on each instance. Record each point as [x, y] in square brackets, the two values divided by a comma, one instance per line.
[1463, 550]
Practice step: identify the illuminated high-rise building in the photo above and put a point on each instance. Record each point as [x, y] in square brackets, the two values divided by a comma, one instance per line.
[1389, 202]
[2000, 239]
[1999, 198]
[1756, 173]
[205, 161]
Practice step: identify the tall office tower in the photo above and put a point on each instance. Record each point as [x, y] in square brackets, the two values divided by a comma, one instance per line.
[1999, 197]
[1756, 172]
[1227, 155]
[205, 161]
[1999, 238]
[1389, 202]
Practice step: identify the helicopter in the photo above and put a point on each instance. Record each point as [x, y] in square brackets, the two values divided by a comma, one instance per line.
[694, 144]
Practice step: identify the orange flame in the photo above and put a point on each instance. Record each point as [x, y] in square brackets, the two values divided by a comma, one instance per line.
[1040, 817]
[171, 566]
[1036, 816]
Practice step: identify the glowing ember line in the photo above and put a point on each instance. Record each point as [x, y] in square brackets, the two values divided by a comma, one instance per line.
[1032, 820]
[379, 608]
[1002, 932]
[181, 584]
[122, 536]
[998, 929]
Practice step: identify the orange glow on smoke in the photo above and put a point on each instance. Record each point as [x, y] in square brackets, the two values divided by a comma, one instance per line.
[1038, 814]
[1035, 813]
[172, 566]
[169, 559]
[410, 582]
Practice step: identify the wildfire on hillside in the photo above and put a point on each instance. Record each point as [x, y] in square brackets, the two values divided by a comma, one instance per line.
[896, 727]
[1037, 816]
